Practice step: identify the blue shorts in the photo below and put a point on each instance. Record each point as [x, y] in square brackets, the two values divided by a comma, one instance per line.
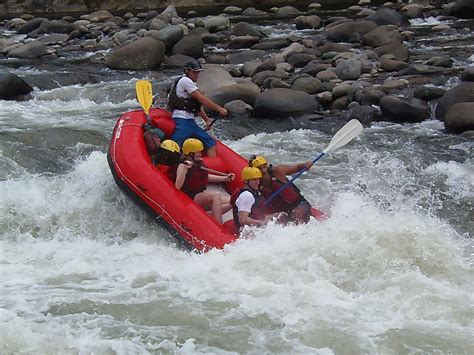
[188, 128]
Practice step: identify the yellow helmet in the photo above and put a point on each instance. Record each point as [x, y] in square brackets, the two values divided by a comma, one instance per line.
[251, 173]
[170, 145]
[257, 161]
[192, 145]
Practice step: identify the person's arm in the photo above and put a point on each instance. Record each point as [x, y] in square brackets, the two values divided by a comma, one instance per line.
[281, 171]
[219, 178]
[181, 174]
[245, 220]
[205, 118]
[197, 94]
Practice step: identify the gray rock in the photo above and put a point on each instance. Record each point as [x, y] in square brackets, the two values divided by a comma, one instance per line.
[144, 53]
[440, 61]
[307, 22]
[245, 29]
[246, 92]
[260, 77]
[404, 110]
[191, 46]
[245, 56]
[381, 36]
[239, 108]
[214, 78]
[349, 31]
[242, 42]
[459, 117]
[390, 65]
[281, 103]
[464, 9]
[271, 44]
[30, 50]
[467, 74]
[299, 60]
[367, 97]
[428, 93]
[398, 50]
[169, 36]
[12, 87]
[386, 16]
[307, 84]
[31, 25]
[349, 69]
[461, 93]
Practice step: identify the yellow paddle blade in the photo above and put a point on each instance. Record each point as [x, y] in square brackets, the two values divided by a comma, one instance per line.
[144, 94]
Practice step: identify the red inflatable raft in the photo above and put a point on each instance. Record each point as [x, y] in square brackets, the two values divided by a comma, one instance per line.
[151, 188]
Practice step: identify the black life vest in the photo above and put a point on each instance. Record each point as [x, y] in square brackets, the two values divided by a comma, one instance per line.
[258, 208]
[196, 180]
[180, 103]
[153, 137]
[286, 200]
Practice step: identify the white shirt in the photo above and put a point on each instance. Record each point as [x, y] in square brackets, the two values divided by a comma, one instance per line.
[184, 88]
[245, 202]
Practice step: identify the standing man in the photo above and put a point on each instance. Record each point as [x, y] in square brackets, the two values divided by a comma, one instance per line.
[186, 101]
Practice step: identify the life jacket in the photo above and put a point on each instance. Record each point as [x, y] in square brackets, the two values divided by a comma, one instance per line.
[257, 211]
[180, 103]
[286, 200]
[153, 137]
[196, 180]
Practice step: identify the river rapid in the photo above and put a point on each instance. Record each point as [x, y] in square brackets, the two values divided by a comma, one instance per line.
[84, 270]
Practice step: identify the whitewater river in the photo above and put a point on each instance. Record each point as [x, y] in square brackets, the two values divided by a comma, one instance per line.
[83, 270]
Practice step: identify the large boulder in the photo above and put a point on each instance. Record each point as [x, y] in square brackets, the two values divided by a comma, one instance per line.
[245, 56]
[214, 78]
[283, 103]
[216, 23]
[31, 25]
[142, 54]
[381, 36]
[13, 87]
[459, 117]
[404, 110]
[352, 31]
[349, 69]
[399, 51]
[30, 50]
[169, 36]
[245, 29]
[461, 93]
[192, 46]
[246, 92]
[464, 9]
[386, 16]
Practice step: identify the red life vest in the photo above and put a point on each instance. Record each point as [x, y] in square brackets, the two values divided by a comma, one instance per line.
[258, 208]
[196, 179]
[286, 200]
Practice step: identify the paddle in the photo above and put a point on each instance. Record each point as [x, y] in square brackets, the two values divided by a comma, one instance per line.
[144, 96]
[347, 133]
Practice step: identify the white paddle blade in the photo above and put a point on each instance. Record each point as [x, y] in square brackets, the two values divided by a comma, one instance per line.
[347, 133]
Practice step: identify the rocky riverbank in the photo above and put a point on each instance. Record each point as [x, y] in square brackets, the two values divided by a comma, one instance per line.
[363, 66]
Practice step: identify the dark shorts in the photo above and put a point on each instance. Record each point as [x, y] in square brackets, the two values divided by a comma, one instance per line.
[188, 128]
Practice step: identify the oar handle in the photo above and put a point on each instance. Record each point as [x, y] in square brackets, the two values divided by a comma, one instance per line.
[296, 176]
[214, 171]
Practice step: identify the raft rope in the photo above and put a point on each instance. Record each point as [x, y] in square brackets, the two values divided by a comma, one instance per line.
[193, 238]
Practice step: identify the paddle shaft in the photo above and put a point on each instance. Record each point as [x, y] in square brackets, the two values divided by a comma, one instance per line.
[216, 172]
[347, 133]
